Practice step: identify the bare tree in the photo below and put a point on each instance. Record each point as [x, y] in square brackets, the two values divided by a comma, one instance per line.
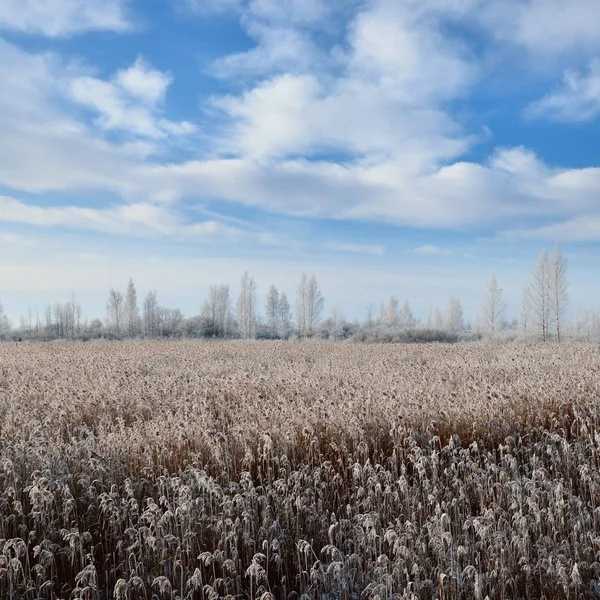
[169, 321]
[216, 311]
[406, 319]
[272, 311]
[246, 308]
[114, 309]
[150, 314]
[309, 305]
[284, 317]
[494, 309]
[4, 323]
[370, 316]
[336, 324]
[131, 313]
[525, 317]
[559, 296]
[315, 304]
[454, 316]
[301, 305]
[389, 313]
[538, 296]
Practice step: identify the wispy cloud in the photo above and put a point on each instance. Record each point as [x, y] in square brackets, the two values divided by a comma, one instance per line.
[143, 220]
[576, 100]
[130, 101]
[578, 230]
[57, 18]
[370, 249]
[432, 250]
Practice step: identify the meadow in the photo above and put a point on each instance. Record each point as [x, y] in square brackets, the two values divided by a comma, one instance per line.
[284, 470]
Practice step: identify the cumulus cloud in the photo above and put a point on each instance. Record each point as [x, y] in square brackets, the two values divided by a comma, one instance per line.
[372, 137]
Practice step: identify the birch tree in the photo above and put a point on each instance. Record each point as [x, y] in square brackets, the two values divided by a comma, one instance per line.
[309, 305]
[150, 314]
[4, 323]
[131, 313]
[301, 305]
[216, 311]
[538, 296]
[246, 308]
[315, 304]
[406, 318]
[558, 288]
[284, 317]
[114, 309]
[389, 313]
[272, 311]
[454, 316]
[494, 309]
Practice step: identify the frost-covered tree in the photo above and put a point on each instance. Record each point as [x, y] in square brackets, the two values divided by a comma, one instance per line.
[284, 317]
[215, 313]
[272, 311]
[309, 305]
[538, 296]
[4, 323]
[114, 310]
[454, 316]
[559, 295]
[406, 319]
[150, 314]
[389, 313]
[131, 313]
[493, 310]
[246, 308]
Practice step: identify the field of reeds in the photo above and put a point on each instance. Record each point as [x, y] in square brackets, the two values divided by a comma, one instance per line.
[283, 470]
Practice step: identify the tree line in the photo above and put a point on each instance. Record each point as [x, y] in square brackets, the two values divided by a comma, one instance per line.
[543, 315]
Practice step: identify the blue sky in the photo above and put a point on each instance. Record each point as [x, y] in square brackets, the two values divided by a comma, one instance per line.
[407, 147]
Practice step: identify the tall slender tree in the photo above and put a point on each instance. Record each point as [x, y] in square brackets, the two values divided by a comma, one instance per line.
[150, 314]
[406, 319]
[315, 305]
[246, 308]
[494, 309]
[389, 313]
[114, 309]
[131, 313]
[559, 295]
[309, 305]
[454, 317]
[272, 311]
[4, 323]
[284, 317]
[301, 305]
[538, 296]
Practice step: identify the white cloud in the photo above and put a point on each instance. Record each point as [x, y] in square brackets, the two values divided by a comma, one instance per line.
[144, 82]
[373, 140]
[581, 229]
[55, 18]
[432, 250]
[130, 101]
[550, 28]
[211, 7]
[145, 220]
[372, 249]
[577, 100]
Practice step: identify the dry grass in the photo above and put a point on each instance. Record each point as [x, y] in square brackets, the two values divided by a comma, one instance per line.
[276, 470]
